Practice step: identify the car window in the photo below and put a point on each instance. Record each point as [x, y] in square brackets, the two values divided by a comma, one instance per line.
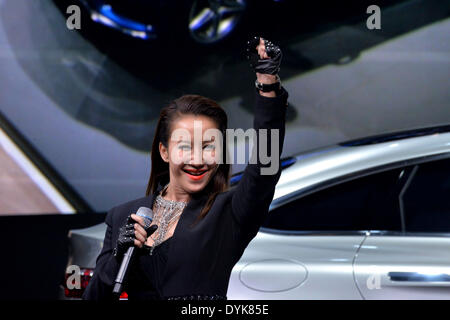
[427, 198]
[366, 203]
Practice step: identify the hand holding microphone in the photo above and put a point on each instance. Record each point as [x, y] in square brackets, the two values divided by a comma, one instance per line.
[134, 233]
[130, 235]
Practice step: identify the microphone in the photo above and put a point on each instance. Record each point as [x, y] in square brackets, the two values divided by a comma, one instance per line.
[147, 214]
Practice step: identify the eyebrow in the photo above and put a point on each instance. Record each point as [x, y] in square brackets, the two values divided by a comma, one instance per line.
[188, 142]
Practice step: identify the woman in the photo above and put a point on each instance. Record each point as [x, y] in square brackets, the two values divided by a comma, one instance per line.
[202, 227]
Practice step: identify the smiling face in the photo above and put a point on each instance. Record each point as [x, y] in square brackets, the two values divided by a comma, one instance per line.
[191, 153]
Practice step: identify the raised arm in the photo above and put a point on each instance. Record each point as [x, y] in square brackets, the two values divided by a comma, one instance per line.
[254, 193]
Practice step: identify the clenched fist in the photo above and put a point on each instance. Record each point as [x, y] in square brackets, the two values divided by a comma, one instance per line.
[264, 56]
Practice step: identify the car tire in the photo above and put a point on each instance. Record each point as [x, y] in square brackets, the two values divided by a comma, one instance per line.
[206, 23]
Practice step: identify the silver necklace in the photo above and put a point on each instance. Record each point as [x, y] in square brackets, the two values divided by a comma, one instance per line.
[164, 213]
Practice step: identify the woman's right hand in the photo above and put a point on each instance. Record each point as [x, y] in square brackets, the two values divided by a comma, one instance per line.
[133, 233]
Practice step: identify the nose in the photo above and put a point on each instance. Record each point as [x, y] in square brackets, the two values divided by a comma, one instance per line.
[197, 158]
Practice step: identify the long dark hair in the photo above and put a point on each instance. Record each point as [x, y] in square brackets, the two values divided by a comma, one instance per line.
[190, 104]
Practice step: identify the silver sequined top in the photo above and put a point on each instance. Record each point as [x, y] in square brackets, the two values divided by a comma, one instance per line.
[165, 213]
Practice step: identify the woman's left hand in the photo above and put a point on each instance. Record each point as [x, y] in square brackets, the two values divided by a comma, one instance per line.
[265, 57]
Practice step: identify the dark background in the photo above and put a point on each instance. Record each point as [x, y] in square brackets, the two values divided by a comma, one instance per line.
[35, 252]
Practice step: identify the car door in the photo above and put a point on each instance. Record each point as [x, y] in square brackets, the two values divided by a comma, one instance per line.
[415, 262]
[307, 247]
[312, 265]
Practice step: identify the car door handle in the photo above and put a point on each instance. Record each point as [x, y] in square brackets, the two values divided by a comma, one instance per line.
[418, 277]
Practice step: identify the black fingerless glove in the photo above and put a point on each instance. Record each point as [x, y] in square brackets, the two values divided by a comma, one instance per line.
[126, 238]
[267, 66]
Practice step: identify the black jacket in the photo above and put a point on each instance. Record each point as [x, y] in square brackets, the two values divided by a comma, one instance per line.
[201, 258]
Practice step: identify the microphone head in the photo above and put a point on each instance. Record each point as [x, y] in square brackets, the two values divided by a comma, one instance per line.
[147, 214]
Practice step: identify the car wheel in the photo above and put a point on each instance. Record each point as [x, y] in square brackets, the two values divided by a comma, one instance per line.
[211, 21]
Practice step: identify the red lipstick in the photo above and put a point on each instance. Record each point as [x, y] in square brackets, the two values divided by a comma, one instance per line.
[195, 175]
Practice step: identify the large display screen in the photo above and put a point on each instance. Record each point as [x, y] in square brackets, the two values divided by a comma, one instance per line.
[82, 83]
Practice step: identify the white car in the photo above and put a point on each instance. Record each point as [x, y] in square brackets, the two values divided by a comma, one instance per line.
[365, 219]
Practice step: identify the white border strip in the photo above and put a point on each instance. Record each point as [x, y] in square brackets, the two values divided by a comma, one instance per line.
[35, 174]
